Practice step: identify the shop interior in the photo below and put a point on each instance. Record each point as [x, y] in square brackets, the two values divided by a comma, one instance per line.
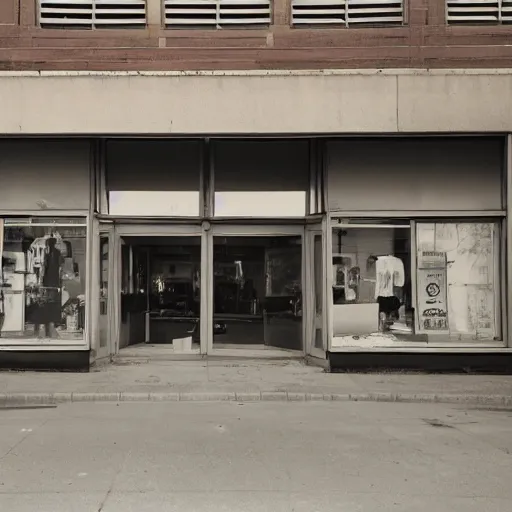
[257, 292]
[160, 291]
[371, 283]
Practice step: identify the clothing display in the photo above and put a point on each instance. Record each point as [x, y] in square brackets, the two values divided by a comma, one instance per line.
[390, 273]
[388, 305]
[37, 255]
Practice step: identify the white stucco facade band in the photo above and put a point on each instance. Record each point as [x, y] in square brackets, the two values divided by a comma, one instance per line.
[256, 102]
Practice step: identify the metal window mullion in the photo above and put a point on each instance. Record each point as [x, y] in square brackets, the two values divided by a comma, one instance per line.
[328, 280]
[93, 15]
[217, 14]
[497, 265]
[508, 237]
[311, 206]
[500, 15]
[413, 265]
[346, 6]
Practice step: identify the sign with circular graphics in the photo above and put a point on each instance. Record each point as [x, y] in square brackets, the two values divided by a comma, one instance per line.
[432, 300]
[433, 289]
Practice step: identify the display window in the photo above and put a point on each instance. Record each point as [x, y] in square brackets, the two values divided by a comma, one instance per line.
[43, 278]
[458, 279]
[371, 282]
[426, 282]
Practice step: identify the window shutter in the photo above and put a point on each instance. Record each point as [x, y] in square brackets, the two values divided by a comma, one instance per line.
[86, 14]
[347, 12]
[478, 12]
[217, 13]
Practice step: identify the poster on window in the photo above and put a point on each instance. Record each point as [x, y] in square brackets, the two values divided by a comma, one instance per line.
[432, 293]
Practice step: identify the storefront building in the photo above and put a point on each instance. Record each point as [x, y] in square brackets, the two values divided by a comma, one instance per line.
[335, 247]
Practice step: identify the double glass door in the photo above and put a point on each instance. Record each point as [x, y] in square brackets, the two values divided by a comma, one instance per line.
[220, 288]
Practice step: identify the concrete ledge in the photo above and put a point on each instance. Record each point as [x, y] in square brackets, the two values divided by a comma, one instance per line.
[24, 399]
[283, 102]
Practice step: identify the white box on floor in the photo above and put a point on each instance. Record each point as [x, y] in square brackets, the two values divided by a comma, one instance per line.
[182, 344]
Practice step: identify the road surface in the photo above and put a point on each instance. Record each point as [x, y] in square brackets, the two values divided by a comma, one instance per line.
[259, 457]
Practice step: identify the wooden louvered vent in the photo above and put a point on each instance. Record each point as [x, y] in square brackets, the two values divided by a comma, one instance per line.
[92, 13]
[217, 13]
[478, 12]
[347, 12]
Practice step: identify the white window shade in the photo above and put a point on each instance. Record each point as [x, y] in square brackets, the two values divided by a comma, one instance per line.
[478, 11]
[217, 13]
[347, 12]
[92, 13]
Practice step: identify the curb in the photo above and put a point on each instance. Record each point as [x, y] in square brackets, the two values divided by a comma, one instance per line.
[17, 399]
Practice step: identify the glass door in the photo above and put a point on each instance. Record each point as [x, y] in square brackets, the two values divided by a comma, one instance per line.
[255, 287]
[159, 294]
[316, 340]
[105, 294]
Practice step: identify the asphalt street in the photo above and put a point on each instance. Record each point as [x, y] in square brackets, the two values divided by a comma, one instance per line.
[278, 457]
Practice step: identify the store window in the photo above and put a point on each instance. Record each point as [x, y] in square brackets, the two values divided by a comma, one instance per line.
[261, 178]
[154, 178]
[43, 279]
[458, 281]
[371, 283]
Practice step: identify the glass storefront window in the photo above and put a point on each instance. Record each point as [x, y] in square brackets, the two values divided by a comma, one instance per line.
[371, 282]
[154, 178]
[457, 285]
[261, 178]
[43, 279]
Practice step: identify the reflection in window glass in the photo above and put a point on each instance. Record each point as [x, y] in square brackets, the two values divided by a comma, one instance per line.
[261, 204]
[154, 203]
[43, 281]
[457, 288]
[371, 280]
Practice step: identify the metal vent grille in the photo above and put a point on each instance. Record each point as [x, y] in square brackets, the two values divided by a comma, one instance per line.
[92, 13]
[347, 12]
[478, 12]
[217, 13]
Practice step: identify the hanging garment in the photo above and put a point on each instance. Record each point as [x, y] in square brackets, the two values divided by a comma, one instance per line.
[390, 273]
[52, 265]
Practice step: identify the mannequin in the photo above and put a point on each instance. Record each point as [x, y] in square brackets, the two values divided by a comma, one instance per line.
[51, 288]
[390, 274]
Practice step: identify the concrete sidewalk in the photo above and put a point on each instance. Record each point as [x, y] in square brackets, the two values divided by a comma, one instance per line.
[246, 381]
